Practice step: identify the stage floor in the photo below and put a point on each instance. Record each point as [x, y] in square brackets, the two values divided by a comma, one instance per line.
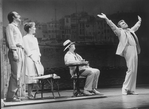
[112, 99]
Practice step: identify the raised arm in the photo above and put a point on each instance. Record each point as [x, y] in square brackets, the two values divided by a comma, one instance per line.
[115, 29]
[137, 25]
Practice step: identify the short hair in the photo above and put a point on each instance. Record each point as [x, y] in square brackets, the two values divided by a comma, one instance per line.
[10, 16]
[28, 25]
[118, 24]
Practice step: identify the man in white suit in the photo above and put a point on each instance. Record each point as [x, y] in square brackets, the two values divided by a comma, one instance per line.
[91, 74]
[129, 48]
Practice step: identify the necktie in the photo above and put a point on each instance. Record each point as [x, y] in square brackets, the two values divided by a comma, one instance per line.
[77, 57]
[137, 43]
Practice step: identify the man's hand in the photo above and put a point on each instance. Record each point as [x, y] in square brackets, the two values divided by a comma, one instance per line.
[18, 82]
[85, 62]
[102, 15]
[15, 56]
[139, 18]
[73, 75]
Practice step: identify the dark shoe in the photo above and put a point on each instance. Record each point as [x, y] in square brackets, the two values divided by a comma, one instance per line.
[132, 93]
[128, 92]
[13, 100]
[87, 93]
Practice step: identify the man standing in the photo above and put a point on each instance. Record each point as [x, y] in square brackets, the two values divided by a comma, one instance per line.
[129, 48]
[15, 55]
[91, 74]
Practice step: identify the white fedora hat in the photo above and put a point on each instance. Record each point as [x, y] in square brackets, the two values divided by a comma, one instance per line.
[67, 44]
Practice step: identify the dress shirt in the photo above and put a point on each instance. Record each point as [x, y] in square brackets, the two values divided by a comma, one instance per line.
[13, 36]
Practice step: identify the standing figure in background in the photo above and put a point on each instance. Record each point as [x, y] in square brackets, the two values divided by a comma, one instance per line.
[33, 66]
[91, 74]
[15, 55]
[129, 48]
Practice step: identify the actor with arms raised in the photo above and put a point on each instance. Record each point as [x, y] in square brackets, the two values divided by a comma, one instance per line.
[129, 48]
[91, 74]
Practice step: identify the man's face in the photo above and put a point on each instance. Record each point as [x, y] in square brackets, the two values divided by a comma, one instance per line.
[123, 25]
[17, 17]
[73, 47]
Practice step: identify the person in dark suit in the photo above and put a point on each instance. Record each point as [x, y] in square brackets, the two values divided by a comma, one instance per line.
[129, 48]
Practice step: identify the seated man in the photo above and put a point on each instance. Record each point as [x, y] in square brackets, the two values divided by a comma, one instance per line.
[91, 74]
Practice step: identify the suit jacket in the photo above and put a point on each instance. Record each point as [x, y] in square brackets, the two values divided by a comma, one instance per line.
[70, 58]
[122, 35]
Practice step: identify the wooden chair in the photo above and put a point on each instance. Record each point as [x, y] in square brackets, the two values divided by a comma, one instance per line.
[77, 77]
[76, 86]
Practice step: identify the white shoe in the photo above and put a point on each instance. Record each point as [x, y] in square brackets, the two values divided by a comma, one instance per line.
[96, 92]
[87, 93]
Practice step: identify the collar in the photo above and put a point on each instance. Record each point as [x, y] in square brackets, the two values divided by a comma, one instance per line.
[73, 53]
[127, 30]
[15, 24]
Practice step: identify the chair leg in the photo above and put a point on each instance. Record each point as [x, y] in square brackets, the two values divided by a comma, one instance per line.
[75, 94]
[51, 84]
[74, 84]
[38, 87]
[42, 88]
[57, 83]
[76, 88]
[35, 93]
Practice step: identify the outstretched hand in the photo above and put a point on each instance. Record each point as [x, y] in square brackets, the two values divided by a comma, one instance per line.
[102, 15]
[139, 18]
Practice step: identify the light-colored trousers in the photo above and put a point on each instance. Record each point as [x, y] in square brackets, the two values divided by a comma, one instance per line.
[16, 72]
[131, 58]
[92, 75]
